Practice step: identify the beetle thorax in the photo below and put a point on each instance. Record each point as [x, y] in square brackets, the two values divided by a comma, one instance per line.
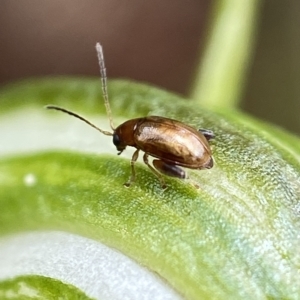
[124, 135]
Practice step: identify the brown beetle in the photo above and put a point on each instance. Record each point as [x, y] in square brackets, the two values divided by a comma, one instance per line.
[174, 143]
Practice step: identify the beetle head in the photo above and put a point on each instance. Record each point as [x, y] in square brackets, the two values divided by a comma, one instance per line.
[118, 143]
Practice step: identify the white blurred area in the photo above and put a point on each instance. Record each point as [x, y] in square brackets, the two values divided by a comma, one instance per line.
[99, 271]
[32, 130]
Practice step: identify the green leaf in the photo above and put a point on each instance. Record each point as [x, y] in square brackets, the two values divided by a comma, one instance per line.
[38, 287]
[224, 63]
[235, 236]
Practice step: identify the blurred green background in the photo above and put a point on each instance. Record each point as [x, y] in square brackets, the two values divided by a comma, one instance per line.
[158, 42]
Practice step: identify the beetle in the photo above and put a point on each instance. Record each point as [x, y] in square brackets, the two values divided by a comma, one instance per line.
[172, 143]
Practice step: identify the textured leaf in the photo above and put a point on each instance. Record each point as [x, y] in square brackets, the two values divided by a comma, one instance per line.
[235, 236]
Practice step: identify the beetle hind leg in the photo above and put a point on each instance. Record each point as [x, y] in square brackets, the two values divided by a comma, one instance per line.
[133, 160]
[162, 182]
[169, 169]
[209, 134]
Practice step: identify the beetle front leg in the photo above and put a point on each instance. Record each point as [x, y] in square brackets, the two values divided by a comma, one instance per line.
[133, 160]
[169, 169]
[162, 182]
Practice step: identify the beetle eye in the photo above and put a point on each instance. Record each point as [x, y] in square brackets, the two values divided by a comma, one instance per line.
[116, 140]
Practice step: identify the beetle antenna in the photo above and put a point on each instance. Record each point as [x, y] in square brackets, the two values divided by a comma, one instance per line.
[104, 83]
[78, 117]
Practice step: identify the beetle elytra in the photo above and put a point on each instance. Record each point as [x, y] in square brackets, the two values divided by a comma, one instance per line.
[173, 143]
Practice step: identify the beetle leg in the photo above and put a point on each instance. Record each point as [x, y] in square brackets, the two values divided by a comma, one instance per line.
[209, 164]
[162, 182]
[207, 133]
[133, 160]
[169, 169]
